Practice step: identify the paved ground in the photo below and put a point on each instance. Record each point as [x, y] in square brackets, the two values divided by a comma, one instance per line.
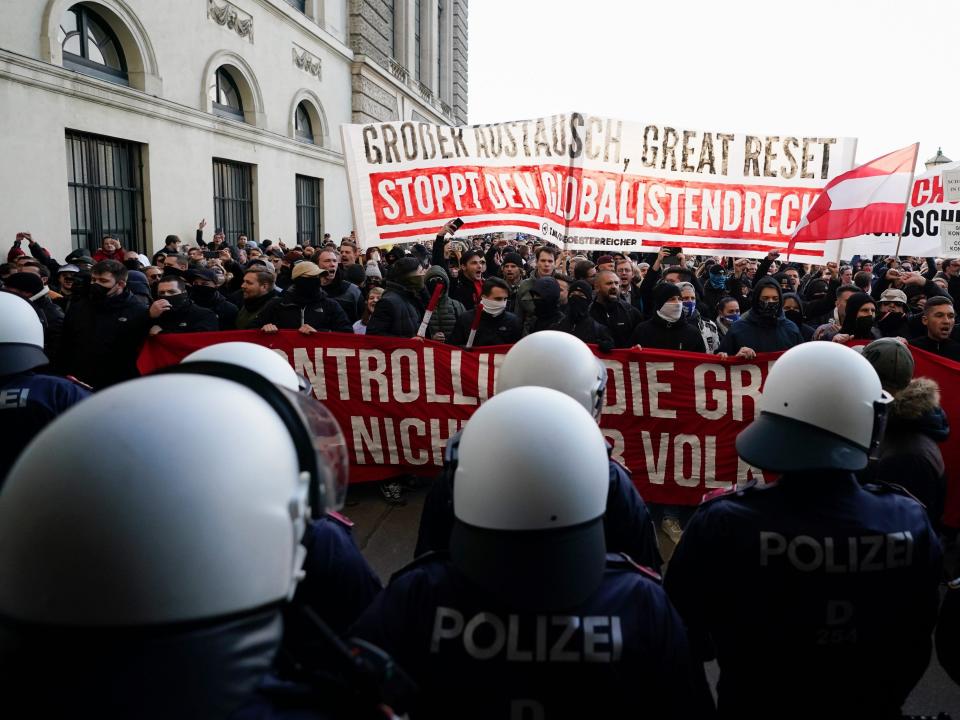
[387, 536]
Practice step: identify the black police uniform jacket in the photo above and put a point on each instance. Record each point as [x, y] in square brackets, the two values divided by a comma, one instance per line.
[101, 340]
[817, 596]
[621, 653]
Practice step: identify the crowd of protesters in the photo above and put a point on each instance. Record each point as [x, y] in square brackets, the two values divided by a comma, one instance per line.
[96, 310]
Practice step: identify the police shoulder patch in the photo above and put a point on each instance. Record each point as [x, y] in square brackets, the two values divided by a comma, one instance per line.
[727, 492]
[622, 561]
[420, 561]
[882, 488]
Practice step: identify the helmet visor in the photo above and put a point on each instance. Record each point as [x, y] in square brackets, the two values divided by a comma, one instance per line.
[330, 448]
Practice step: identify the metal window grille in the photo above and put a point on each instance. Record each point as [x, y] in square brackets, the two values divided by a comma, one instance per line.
[309, 210]
[104, 187]
[233, 199]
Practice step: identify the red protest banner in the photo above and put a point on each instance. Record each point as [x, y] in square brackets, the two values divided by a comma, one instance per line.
[671, 417]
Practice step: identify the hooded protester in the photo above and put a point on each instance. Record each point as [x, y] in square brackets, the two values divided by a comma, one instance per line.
[715, 287]
[668, 329]
[139, 287]
[444, 318]
[858, 320]
[909, 455]
[578, 322]
[793, 310]
[892, 314]
[545, 293]
[400, 310]
[765, 329]
[30, 287]
[305, 306]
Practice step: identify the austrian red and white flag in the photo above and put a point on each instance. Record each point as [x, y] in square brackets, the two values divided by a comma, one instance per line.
[871, 198]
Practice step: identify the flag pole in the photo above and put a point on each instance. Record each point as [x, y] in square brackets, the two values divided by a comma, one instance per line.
[906, 202]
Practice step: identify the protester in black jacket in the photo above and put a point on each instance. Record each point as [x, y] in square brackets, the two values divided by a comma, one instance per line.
[795, 312]
[102, 334]
[618, 316]
[174, 311]
[497, 325]
[765, 329]
[939, 319]
[577, 320]
[205, 294]
[400, 310]
[30, 287]
[668, 329]
[545, 293]
[305, 306]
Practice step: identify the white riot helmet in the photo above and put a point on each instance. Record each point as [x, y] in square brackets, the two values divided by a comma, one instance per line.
[152, 532]
[822, 407]
[556, 360]
[273, 366]
[21, 336]
[529, 519]
[324, 447]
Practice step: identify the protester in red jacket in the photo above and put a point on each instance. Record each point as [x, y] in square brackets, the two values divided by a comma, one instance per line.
[109, 250]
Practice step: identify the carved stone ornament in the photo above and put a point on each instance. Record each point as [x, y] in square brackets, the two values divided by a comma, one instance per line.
[231, 18]
[306, 62]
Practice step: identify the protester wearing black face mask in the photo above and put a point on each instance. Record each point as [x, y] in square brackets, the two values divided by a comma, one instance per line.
[764, 329]
[175, 312]
[892, 318]
[400, 309]
[305, 306]
[578, 321]
[545, 293]
[858, 321]
[102, 332]
[793, 310]
[204, 292]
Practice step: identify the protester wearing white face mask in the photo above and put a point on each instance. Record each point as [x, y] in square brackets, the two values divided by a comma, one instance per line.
[668, 329]
[497, 326]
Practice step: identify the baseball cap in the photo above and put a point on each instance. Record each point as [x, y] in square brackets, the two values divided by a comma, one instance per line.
[893, 295]
[306, 268]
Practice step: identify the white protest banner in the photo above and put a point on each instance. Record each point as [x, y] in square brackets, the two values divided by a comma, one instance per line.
[586, 182]
[950, 239]
[927, 210]
[951, 185]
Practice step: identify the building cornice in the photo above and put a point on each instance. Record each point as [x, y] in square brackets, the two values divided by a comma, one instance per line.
[54, 79]
[282, 10]
[366, 63]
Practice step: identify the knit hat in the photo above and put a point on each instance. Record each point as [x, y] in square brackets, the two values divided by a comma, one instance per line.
[373, 270]
[604, 259]
[306, 268]
[25, 282]
[514, 258]
[404, 266]
[892, 361]
[663, 292]
[355, 274]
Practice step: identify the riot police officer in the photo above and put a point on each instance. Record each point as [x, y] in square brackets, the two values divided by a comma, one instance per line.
[28, 400]
[527, 617]
[575, 371]
[816, 595]
[333, 559]
[145, 581]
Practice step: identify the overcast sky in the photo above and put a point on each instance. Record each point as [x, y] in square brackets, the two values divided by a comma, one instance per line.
[876, 71]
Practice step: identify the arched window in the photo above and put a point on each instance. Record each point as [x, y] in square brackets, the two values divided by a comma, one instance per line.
[90, 46]
[302, 125]
[225, 95]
